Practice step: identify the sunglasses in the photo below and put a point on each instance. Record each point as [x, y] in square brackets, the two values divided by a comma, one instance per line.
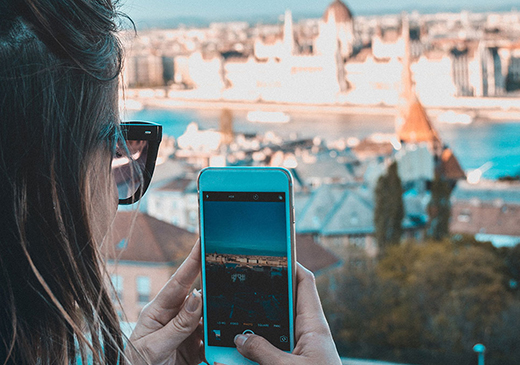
[134, 159]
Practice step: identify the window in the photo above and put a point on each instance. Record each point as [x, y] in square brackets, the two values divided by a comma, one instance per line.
[117, 282]
[143, 289]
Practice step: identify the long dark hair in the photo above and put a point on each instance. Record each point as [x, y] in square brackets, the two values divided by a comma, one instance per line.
[59, 65]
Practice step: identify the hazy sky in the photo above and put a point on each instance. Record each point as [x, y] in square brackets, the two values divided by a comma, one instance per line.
[215, 10]
[249, 228]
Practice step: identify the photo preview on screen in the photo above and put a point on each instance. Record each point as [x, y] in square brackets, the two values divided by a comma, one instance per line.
[246, 266]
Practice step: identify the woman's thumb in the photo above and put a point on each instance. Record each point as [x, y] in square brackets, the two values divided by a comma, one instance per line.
[259, 350]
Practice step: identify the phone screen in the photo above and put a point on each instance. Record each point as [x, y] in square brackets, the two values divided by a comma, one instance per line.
[245, 250]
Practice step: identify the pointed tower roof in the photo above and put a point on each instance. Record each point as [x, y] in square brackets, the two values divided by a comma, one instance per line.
[342, 13]
[416, 127]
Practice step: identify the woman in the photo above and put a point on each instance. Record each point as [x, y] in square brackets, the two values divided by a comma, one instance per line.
[59, 66]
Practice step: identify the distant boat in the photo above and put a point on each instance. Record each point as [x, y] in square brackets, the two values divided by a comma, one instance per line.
[450, 117]
[259, 116]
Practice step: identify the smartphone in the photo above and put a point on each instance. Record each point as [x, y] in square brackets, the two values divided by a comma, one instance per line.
[246, 217]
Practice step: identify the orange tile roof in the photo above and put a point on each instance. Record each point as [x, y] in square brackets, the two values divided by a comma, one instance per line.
[147, 239]
[417, 126]
[312, 255]
[155, 241]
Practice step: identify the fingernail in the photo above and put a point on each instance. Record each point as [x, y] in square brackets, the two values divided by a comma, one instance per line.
[193, 301]
[240, 340]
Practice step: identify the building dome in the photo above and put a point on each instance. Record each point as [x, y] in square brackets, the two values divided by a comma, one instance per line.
[342, 13]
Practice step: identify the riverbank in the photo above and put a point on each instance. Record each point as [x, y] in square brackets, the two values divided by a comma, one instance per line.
[489, 109]
[167, 103]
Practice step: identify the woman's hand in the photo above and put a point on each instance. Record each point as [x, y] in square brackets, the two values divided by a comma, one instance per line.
[168, 330]
[314, 344]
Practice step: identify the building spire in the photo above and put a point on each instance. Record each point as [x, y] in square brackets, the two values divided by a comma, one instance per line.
[407, 92]
[413, 124]
[288, 35]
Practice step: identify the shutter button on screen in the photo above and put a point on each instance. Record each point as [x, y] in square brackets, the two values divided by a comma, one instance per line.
[248, 332]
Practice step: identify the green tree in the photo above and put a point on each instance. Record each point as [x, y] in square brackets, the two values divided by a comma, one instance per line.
[389, 209]
[439, 209]
[457, 291]
[431, 300]
[511, 257]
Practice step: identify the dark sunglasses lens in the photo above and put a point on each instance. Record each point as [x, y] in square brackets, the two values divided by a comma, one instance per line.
[129, 167]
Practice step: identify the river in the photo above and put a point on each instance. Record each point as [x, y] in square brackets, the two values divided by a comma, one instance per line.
[474, 144]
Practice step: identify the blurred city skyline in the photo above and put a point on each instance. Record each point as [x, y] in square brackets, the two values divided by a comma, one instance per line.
[171, 13]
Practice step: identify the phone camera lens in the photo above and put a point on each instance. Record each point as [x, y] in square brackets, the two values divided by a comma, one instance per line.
[255, 196]
[280, 197]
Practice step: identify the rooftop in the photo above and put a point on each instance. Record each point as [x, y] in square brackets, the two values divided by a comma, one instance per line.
[139, 237]
[339, 210]
[180, 184]
[486, 218]
[324, 166]
[312, 255]
[416, 125]
[149, 240]
[341, 12]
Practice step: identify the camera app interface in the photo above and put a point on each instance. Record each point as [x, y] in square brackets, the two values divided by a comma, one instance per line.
[247, 291]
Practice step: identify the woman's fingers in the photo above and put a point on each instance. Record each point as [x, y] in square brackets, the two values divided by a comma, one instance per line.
[307, 295]
[191, 351]
[309, 312]
[185, 322]
[173, 293]
[166, 340]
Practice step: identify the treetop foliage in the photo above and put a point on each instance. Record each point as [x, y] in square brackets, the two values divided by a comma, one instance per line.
[432, 300]
[389, 208]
